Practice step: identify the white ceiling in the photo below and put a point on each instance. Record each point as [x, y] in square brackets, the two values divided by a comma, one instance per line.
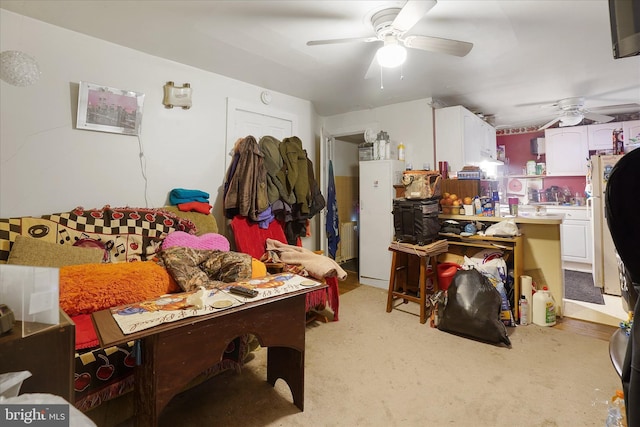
[525, 52]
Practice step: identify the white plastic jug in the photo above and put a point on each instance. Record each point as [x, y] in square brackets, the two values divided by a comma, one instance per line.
[544, 308]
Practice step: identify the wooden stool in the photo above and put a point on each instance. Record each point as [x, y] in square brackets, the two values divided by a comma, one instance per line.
[399, 278]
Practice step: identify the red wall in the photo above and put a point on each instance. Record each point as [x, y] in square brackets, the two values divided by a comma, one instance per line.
[518, 152]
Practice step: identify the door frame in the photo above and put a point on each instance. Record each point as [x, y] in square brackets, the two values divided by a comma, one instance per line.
[235, 105]
[327, 151]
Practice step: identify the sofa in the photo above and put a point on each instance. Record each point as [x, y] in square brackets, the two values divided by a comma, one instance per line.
[113, 257]
[109, 257]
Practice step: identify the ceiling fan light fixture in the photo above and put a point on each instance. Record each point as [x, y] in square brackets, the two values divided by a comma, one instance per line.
[391, 55]
[571, 118]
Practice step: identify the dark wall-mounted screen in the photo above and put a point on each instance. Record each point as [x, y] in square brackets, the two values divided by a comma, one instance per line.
[624, 16]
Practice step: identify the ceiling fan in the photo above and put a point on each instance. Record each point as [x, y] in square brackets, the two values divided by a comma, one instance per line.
[390, 26]
[572, 112]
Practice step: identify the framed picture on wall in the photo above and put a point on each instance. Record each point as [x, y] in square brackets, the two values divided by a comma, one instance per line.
[108, 109]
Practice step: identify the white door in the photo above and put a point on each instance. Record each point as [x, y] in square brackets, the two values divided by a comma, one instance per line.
[244, 119]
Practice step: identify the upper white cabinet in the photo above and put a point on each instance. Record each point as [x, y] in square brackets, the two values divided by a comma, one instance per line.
[489, 149]
[462, 138]
[567, 151]
[600, 135]
[631, 134]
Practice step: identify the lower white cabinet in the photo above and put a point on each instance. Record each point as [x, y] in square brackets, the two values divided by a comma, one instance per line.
[576, 237]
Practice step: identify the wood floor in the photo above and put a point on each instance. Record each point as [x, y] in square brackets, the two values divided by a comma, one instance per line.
[580, 327]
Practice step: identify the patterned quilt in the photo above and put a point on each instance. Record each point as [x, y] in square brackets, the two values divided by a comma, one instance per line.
[126, 234]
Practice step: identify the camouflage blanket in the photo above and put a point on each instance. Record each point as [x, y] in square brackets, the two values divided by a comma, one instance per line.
[192, 268]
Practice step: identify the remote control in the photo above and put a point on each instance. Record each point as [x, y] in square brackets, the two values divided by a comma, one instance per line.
[245, 292]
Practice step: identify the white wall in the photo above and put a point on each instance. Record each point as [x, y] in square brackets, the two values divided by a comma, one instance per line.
[346, 155]
[48, 166]
[409, 122]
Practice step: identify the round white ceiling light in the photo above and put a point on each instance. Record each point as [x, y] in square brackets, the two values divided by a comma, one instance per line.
[391, 55]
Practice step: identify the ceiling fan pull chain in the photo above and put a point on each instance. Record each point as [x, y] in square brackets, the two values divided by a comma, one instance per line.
[381, 84]
[401, 72]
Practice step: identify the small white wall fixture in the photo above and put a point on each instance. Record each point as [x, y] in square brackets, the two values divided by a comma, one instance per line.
[177, 96]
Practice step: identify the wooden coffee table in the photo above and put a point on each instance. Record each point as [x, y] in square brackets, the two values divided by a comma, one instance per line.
[175, 353]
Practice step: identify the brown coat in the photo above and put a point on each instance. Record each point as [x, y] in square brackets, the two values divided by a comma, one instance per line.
[246, 192]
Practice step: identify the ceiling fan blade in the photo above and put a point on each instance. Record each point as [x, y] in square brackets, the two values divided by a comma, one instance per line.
[617, 108]
[601, 118]
[411, 13]
[346, 40]
[436, 44]
[546, 125]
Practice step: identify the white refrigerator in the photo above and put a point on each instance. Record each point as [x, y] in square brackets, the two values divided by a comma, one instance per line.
[377, 178]
[605, 265]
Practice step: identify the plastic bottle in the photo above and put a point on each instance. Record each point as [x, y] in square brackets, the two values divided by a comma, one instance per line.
[496, 203]
[615, 410]
[477, 206]
[401, 151]
[523, 309]
[544, 308]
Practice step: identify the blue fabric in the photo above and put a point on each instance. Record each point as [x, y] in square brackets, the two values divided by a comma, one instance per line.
[181, 195]
[265, 218]
[333, 229]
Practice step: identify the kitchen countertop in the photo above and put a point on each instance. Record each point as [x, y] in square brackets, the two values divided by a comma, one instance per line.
[581, 207]
[523, 218]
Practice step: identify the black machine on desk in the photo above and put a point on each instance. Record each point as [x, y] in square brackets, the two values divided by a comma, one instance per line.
[415, 217]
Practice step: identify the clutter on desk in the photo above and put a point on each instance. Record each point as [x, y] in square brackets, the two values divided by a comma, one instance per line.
[451, 226]
[505, 228]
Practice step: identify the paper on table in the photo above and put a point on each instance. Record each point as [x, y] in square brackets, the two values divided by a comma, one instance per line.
[167, 308]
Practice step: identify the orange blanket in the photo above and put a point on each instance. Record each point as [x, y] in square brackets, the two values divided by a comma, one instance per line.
[92, 287]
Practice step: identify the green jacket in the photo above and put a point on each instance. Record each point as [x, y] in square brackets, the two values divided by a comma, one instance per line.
[297, 176]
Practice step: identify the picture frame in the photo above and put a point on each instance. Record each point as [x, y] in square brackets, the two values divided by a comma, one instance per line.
[108, 109]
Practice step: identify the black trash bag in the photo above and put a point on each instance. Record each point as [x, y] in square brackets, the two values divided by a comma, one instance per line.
[473, 309]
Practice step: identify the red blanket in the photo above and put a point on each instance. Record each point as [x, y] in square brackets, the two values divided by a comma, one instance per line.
[251, 239]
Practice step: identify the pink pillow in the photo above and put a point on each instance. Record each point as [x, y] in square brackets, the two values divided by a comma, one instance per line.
[213, 241]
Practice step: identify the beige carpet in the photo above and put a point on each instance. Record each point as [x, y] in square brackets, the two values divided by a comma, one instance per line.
[374, 368]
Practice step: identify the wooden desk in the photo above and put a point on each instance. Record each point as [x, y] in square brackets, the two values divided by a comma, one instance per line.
[541, 249]
[174, 353]
[514, 245]
[48, 355]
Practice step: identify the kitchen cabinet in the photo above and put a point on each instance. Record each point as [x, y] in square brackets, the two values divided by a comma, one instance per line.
[488, 148]
[567, 151]
[576, 237]
[600, 135]
[462, 138]
[631, 133]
